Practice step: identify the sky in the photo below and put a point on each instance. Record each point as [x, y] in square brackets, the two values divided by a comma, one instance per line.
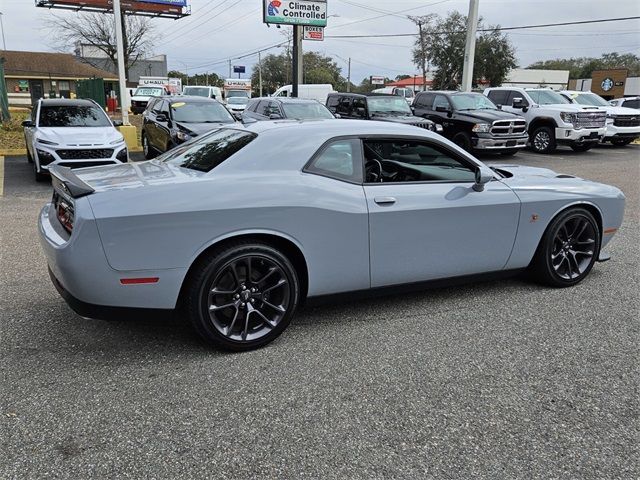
[221, 29]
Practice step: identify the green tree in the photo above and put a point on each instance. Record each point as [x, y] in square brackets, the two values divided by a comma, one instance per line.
[444, 49]
[210, 79]
[317, 68]
[583, 67]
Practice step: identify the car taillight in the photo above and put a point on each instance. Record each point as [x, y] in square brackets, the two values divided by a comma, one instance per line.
[64, 212]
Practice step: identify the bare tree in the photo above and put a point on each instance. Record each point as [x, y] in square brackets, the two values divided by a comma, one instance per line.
[98, 30]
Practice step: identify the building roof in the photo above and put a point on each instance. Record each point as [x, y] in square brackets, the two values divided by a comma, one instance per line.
[410, 82]
[45, 64]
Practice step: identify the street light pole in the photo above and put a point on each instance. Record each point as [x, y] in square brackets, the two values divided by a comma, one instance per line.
[470, 46]
[124, 99]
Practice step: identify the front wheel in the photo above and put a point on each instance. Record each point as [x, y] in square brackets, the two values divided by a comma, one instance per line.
[543, 140]
[568, 249]
[242, 297]
[463, 140]
[147, 149]
[581, 147]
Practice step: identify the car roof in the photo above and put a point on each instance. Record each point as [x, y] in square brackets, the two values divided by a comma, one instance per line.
[285, 99]
[365, 94]
[330, 128]
[58, 102]
[188, 99]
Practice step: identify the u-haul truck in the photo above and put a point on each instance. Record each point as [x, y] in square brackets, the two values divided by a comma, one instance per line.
[237, 87]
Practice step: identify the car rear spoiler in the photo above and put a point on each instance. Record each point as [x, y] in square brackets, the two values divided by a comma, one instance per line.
[65, 181]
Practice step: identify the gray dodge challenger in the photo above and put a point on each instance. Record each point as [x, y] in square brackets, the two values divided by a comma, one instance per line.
[236, 228]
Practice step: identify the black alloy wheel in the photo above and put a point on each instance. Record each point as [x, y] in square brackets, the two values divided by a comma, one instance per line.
[242, 297]
[568, 249]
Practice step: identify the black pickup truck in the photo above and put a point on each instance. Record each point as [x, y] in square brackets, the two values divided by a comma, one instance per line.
[472, 121]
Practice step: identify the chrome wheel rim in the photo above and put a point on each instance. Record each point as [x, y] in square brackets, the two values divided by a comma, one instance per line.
[542, 140]
[248, 298]
[573, 248]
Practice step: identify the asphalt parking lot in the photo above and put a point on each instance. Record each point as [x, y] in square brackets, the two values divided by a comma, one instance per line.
[504, 379]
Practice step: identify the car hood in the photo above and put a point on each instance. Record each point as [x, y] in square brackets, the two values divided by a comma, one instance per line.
[621, 111]
[236, 107]
[521, 171]
[489, 115]
[200, 128]
[569, 107]
[140, 98]
[405, 119]
[80, 136]
[134, 175]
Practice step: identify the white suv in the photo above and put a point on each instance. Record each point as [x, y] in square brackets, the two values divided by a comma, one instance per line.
[623, 124]
[71, 133]
[551, 118]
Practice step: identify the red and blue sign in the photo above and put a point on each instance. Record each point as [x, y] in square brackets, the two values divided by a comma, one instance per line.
[175, 3]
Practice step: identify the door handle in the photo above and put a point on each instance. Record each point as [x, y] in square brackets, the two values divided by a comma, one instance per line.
[385, 200]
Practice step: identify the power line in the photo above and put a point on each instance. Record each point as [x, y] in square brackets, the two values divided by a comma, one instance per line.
[522, 27]
[207, 20]
[386, 15]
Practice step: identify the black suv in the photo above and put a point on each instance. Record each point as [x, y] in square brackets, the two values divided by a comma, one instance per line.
[171, 120]
[269, 108]
[376, 106]
[473, 122]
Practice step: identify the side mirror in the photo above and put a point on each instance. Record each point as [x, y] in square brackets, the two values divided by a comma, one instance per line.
[499, 107]
[117, 123]
[28, 123]
[360, 112]
[483, 176]
[518, 102]
[413, 109]
[337, 115]
[274, 116]
[442, 109]
[161, 117]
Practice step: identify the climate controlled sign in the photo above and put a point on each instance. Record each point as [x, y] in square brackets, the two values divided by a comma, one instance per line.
[301, 12]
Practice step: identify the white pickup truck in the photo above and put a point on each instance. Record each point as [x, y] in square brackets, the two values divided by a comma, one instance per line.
[551, 118]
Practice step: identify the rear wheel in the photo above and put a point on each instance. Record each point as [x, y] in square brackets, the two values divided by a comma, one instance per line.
[621, 142]
[568, 249]
[242, 297]
[543, 140]
[581, 147]
[463, 140]
[147, 149]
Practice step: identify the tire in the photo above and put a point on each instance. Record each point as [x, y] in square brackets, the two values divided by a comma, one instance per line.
[543, 140]
[463, 140]
[147, 149]
[581, 147]
[568, 249]
[621, 142]
[509, 153]
[39, 176]
[265, 281]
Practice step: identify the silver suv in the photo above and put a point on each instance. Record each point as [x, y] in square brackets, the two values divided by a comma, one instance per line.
[72, 133]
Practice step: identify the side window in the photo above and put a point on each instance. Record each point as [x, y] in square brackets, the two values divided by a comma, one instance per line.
[165, 108]
[359, 108]
[332, 103]
[157, 106]
[340, 159]
[273, 109]
[635, 103]
[425, 100]
[442, 102]
[499, 97]
[344, 106]
[401, 160]
[515, 94]
[262, 108]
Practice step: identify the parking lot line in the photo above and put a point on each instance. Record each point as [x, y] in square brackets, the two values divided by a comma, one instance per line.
[1, 176]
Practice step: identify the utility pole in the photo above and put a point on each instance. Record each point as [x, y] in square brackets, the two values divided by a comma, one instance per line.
[4, 43]
[470, 46]
[124, 99]
[349, 76]
[229, 69]
[297, 60]
[260, 73]
[207, 79]
[424, 59]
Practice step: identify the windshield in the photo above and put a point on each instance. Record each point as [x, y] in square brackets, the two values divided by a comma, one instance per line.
[148, 92]
[210, 150]
[205, 112]
[197, 91]
[546, 97]
[472, 101]
[306, 111]
[72, 116]
[237, 93]
[390, 104]
[590, 99]
[238, 100]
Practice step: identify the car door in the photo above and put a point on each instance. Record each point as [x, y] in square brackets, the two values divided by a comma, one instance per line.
[425, 219]
[162, 136]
